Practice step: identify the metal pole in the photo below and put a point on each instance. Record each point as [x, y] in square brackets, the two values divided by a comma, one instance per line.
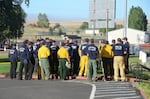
[126, 19]
[94, 20]
[107, 21]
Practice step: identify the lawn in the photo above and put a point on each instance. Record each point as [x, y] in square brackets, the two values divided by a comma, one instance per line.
[146, 88]
[4, 67]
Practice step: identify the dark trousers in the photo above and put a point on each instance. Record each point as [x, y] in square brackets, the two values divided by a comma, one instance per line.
[126, 61]
[54, 68]
[31, 69]
[75, 67]
[108, 66]
[13, 69]
[37, 68]
[25, 66]
[63, 69]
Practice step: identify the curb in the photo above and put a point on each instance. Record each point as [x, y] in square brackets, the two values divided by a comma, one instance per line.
[35, 77]
[3, 76]
[129, 79]
[142, 93]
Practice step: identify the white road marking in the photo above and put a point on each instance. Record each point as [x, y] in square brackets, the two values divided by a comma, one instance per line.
[112, 95]
[133, 97]
[114, 87]
[93, 92]
[112, 92]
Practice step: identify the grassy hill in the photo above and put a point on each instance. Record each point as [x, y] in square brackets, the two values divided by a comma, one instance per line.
[31, 31]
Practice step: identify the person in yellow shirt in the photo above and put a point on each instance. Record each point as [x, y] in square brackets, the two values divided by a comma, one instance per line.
[107, 59]
[63, 57]
[83, 58]
[43, 55]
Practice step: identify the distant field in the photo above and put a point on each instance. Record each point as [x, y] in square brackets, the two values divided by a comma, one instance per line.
[70, 26]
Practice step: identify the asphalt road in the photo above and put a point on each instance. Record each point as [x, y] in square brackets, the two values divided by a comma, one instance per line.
[14, 89]
[71, 89]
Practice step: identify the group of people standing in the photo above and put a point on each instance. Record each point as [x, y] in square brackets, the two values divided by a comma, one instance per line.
[115, 58]
[49, 59]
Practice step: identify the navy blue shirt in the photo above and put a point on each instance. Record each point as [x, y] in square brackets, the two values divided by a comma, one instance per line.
[23, 53]
[75, 49]
[31, 55]
[83, 49]
[54, 49]
[48, 45]
[92, 51]
[127, 46]
[13, 54]
[118, 49]
[36, 48]
[68, 47]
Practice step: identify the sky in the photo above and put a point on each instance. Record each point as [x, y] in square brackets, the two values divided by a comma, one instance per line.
[76, 9]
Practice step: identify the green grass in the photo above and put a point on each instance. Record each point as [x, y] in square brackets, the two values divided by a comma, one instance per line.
[4, 58]
[133, 58]
[145, 87]
[4, 68]
[4, 64]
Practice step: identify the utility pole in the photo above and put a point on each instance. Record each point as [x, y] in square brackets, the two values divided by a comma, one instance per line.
[94, 19]
[107, 20]
[107, 23]
[125, 19]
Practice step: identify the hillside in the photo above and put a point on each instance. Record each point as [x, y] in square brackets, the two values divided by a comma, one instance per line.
[30, 31]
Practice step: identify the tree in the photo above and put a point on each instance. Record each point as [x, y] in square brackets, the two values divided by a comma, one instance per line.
[84, 26]
[137, 19]
[103, 30]
[12, 19]
[42, 20]
[78, 31]
[56, 28]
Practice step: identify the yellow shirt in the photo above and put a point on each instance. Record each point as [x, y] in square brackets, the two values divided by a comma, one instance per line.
[43, 52]
[63, 53]
[106, 51]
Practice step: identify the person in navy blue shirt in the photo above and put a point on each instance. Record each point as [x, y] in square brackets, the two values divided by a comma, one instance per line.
[54, 64]
[119, 51]
[69, 49]
[75, 58]
[83, 57]
[92, 52]
[31, 59]
[126, 56]
[37, 67]
[24, 60]
[13, 57]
